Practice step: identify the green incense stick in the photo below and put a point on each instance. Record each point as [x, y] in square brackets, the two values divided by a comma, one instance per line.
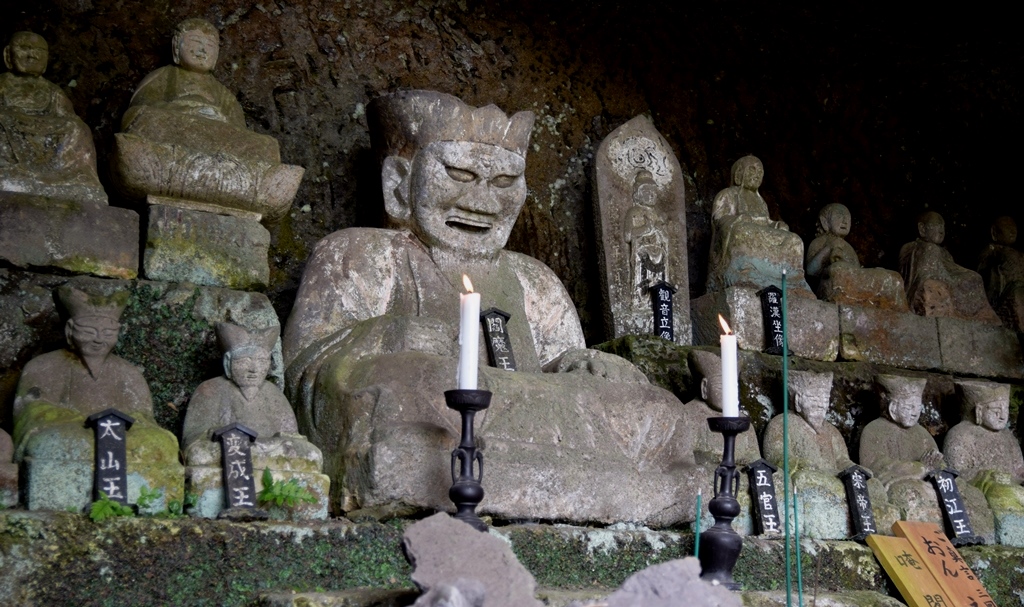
[785, 440]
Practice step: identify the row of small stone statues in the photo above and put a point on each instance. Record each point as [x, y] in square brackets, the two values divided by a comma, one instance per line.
[184, 141]
[58, 391]
[750, 249]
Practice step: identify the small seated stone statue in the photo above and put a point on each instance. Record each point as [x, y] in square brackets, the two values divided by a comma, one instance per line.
[707, 445]
[748, 248]
[58, 390]
[1002, 268]
[840, 277]
[243, 395]
[900, 451]
[185, 141]
[988, 455]
[936, 285]
[817, 453]
[371, 344]
[45, 149]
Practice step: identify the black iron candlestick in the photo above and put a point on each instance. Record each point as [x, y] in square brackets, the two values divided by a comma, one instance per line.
[720, 545]
[466, 491]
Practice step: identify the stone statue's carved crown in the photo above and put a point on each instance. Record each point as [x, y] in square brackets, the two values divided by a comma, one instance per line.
[901, 387]
[401, 123]
[80, 304]
[707, 364]
[808, 383]
[982, 392]
[233, 337]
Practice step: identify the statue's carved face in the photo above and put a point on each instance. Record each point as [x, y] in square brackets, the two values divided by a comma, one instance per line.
[992, 415]
[933, 230]
[93, 336]
[249, 369]
[197, 51]
[905, 410]
[812, 407]
[466, 196]
[839, 222]
[27, 54]
[711, 391]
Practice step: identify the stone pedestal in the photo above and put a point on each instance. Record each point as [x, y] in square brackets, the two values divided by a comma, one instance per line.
[206, 248]
[813, 325]
[82, 237]
[900, 339]
[979, 348]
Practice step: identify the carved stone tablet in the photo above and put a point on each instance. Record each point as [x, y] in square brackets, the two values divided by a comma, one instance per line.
[236, 461]
[762, 486]
[855, 479]
[642, 228]
[958, 523]
[110, 475]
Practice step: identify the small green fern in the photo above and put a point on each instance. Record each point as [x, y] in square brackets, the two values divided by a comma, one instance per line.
[288, 493]
[105, 508]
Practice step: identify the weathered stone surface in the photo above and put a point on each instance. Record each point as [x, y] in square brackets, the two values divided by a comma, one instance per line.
[206, 249]
[672, 584]
[443, 550]
[185, 137]
[77, 236]
[45, 149]
[356, 597]
[813, 325]
[978, 348]
[641, 206]
[8, 472]
[892, 338]
[777, 598]
[1002, 268]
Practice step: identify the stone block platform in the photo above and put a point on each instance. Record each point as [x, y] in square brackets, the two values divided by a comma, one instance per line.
[184, 561]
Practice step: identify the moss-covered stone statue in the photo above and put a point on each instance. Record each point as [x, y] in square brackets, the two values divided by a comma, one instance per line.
[817, 453]
[184, 139]
[936, 285]
[988, 455]
[371, 343]
[243, 395]
[748, 248]
[58, 390]
[839, 276]
[45, 149]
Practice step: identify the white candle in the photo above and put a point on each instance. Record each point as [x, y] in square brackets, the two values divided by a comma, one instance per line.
[469, 336]
[730, 373]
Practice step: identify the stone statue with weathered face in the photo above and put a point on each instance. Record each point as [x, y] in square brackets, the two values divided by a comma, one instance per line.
[58, 390]
[371, 343]
[1001, 266]
[936, 285]
[184, 141]
[45, 149]
[748, 248]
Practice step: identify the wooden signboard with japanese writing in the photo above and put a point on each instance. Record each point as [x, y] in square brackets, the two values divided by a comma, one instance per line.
[910, 574]
[945, 563]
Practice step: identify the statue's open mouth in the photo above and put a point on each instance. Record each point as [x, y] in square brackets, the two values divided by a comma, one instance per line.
[468, 225]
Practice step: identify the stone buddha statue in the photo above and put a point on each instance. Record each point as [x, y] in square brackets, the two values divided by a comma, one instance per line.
[840, 277]
[988, 455]
[936, 285]
[707, 445]
[243, 395]
[371, 344]
[45, 149]
[817, 453]
[748, 248]
[1002, 268]
[58, 390]
[184, 140]
[644, 232]
[900, 451]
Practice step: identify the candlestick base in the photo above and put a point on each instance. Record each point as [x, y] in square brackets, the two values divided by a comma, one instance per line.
[467, 491]
[720, 545]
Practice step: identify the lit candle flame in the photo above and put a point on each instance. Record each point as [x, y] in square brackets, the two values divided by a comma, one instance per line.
[725, 325]
[469, 285]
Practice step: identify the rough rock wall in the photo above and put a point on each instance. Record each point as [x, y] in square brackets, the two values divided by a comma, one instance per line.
[887, 112]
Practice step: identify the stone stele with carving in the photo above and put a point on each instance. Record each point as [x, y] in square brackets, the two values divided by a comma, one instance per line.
[840, 277]
[817, 453]
[58, 390]
[988, 455]
[45, 149]
[184, 141]
[1002, 268]
[748, 248]
[936, 285]
[243, 395]
[641, 205]
[371, 343]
